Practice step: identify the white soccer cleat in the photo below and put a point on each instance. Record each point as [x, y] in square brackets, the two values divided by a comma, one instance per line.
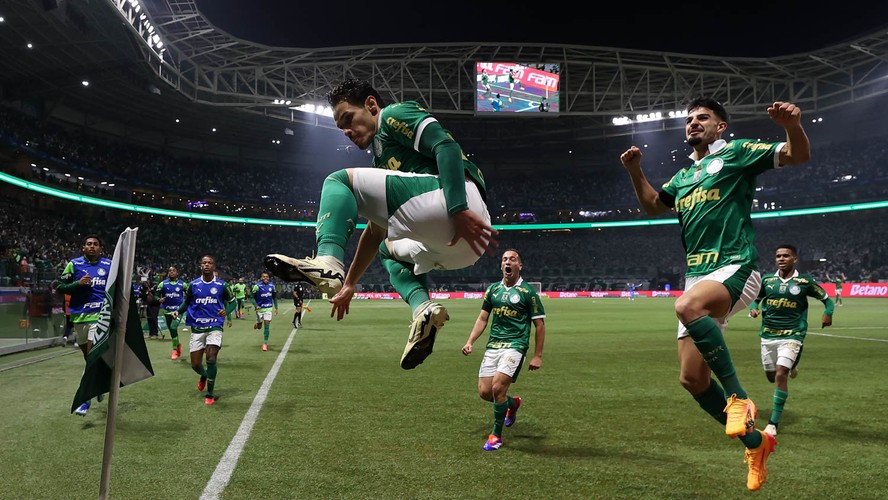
[82, 409]
[793, 373]
[429, 320]
[771, 429]
[325, 272]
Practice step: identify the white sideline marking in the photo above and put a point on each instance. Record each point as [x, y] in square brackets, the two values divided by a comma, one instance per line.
[222, 475]
[846, 336]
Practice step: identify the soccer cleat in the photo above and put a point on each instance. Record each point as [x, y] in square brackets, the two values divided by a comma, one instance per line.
[324, 272]
[771, 429]
[174, 355]
[257, 325]
[793, 372]
[429, 320]
[210, 400]
[100, 397]
[741, 416]
[756, 459]
[493, 443]
[82, 409]
[201, 383]
[511, 412]
[264, 347]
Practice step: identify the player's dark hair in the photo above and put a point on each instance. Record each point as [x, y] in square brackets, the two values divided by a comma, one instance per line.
[708, 103]
[791, 248]
[355, 92]
[210, 256]
[92, 236]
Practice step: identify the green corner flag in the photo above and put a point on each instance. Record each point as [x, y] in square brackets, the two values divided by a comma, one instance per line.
[118, 316]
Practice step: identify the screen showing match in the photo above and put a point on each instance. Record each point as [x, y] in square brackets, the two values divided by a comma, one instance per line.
[507, 87]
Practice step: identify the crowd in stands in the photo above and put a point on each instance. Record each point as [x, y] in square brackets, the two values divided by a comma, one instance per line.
[39, 233]
[46, 237]
[144, 176]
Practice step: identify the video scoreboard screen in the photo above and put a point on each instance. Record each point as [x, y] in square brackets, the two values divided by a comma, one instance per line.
[509, 87]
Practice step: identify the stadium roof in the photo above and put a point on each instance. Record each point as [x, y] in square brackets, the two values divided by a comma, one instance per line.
[207, 78]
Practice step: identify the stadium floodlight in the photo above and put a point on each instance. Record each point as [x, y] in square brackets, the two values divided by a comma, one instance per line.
[140, 21]
[314, 109]
[649, 117]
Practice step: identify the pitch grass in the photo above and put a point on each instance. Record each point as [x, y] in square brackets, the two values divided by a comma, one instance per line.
[604, 418]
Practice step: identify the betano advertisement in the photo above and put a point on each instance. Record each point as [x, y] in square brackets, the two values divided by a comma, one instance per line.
[868, 290]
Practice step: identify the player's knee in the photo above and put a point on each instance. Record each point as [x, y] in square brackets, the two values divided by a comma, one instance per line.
[694, 383]
[690, 309]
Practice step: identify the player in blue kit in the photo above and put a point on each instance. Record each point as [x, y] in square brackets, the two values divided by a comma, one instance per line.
[264, 297]
[84, 279]
[205, 301]
[171, 293]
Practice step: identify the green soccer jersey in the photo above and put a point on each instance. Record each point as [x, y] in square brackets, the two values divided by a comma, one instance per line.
[240, 290]
[405, 143]
[713, 200]
[784, 305]
[513, 310]
[838, 282]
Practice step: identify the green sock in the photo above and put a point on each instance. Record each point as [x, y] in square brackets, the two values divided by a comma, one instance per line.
[413, 288]
[265, 332]
[712, 400]
[499, 417]
[711, 343]
[779, 401]
[752, 440]
[337, 215]
[211, 377]
[173, 326]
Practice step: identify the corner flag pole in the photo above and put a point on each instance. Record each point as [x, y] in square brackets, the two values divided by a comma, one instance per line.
[121, 301]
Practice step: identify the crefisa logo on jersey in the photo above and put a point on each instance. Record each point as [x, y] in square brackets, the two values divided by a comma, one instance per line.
[795, 290]
[715, 166]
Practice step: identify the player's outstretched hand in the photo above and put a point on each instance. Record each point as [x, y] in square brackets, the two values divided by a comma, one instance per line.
[478, 234]
[341, 301]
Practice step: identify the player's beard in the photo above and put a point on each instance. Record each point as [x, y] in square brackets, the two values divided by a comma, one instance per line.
[695, 141]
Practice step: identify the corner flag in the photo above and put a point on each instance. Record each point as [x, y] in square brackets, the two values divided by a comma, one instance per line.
[118, 316]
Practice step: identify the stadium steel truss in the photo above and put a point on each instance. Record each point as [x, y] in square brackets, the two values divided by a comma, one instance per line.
[205, 66]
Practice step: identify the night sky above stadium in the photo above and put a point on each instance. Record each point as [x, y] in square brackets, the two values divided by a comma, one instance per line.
[732, 29]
